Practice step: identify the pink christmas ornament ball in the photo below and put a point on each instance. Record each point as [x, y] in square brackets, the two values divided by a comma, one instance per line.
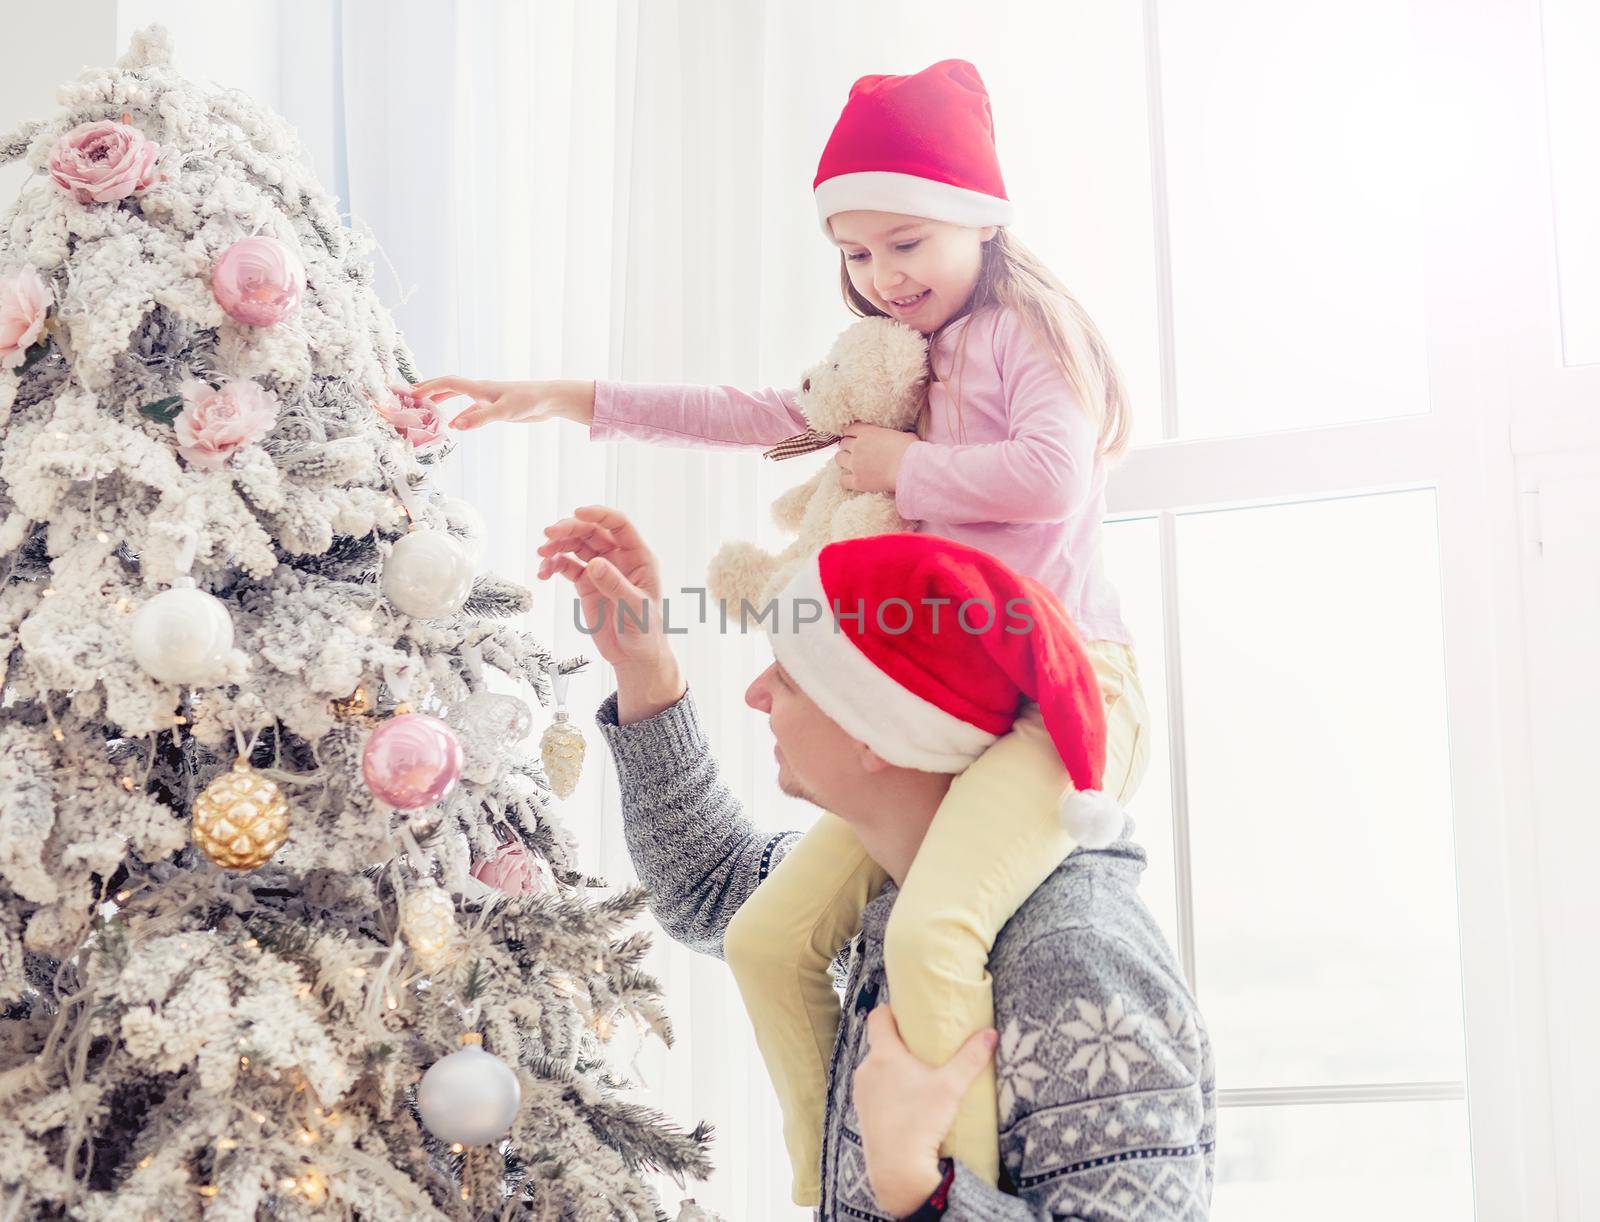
[412, 761]
[516, 870]
[258, 281]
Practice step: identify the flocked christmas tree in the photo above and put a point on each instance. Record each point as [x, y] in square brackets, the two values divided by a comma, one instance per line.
[288, 926]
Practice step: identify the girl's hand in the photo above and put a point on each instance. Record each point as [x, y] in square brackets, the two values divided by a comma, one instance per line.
[524, 402]
[870, 457]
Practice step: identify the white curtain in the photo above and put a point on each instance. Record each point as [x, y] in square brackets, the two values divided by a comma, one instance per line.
[611, 190]
[622, 189]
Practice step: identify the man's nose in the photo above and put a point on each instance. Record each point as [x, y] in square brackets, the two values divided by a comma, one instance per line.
[758, 696]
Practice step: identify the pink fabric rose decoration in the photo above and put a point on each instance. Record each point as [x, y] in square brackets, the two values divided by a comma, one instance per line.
[258, 281]
[417, 420]
[215, 423]
[516, 871]
[24, 302]
[100, 163]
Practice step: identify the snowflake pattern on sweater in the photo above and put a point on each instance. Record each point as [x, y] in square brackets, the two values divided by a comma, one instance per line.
[1105, 1076]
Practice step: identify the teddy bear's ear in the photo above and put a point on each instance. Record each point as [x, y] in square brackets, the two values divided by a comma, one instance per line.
[738, 573]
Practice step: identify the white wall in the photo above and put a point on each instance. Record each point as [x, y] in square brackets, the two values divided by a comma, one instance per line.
[233, 44]
[259, 46]
[42, 54]
[244, 44]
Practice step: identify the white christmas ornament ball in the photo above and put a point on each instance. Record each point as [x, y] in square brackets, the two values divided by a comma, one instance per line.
[182, 635]
[470, 1096]
[428, 574]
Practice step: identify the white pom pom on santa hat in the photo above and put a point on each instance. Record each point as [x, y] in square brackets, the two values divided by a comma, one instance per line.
[1092, 817]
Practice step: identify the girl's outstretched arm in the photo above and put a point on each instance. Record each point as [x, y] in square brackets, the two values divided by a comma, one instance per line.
[694, 417]
[513, 402]
[664, 414]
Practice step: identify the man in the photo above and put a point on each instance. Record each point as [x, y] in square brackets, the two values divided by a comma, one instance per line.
[1104, 1067]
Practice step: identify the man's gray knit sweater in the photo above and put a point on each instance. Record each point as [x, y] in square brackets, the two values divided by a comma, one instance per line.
[1104, 1068]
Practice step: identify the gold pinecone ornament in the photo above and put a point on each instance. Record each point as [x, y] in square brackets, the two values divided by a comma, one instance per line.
[241, 819]
[428, 922]
[357, 706]
[561, 747]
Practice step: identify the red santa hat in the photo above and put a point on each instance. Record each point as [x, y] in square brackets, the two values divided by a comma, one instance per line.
[925, 649]
[922, 145]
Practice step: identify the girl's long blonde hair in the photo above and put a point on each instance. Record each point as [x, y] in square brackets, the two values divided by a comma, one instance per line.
[1012, 277]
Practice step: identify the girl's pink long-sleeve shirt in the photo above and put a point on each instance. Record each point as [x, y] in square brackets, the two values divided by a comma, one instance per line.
[1016, 475]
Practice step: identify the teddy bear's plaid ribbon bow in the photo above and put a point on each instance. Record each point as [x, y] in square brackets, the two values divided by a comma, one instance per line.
[801, 443]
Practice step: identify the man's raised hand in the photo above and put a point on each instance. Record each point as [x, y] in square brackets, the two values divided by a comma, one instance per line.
[618, 581]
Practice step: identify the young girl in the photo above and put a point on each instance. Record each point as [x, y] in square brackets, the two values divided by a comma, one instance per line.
[1024, 408]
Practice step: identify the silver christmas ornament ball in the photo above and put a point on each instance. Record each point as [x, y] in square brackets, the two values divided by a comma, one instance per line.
[470, 1096]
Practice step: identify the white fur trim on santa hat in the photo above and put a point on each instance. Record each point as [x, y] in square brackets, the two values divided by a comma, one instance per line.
[1092, 817]
[887, 191]
[899, 725]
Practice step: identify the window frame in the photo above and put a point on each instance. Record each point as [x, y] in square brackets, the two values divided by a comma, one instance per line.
[1493, 348]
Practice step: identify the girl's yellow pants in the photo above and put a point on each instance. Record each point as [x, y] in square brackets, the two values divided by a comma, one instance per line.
[994, 839]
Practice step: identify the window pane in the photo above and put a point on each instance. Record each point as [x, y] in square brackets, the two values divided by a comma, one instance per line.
[1291, 144]
[1133, 562]
[1571, 46]
[1380, 1162]
[1319, 800]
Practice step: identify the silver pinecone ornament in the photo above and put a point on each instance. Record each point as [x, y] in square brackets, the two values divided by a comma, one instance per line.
[561, 747]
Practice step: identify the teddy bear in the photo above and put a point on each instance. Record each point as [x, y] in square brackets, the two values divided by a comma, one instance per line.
[874, 373]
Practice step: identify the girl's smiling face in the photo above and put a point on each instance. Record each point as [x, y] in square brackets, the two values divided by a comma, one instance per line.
[917, 271]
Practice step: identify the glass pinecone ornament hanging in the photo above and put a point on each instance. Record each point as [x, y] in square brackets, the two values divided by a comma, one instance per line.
[241, 819]
[428, 921]
[561, 747]
[689, 1211]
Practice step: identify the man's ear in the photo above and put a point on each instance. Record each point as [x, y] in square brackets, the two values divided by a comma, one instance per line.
[871, 761]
